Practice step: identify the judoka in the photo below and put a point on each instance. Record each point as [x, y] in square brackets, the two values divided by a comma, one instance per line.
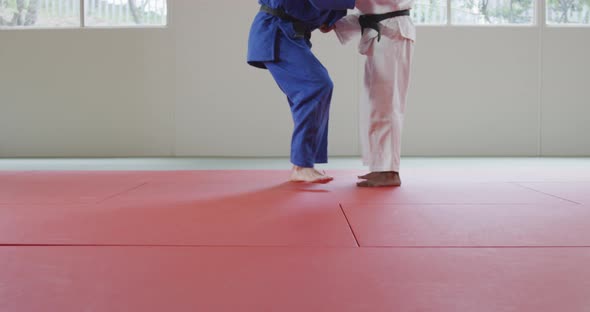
[280, 42]
[387, 37]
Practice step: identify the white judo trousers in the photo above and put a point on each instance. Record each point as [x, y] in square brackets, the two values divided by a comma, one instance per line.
[386, 80]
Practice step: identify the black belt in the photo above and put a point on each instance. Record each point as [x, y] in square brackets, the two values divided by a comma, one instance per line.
[300, 27]
[372, 20]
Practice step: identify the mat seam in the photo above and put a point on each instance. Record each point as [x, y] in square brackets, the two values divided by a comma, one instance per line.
[121, 192]
[548, 194]
[350, 226]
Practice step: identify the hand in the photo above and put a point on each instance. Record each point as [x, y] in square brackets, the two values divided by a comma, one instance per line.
[326, 29]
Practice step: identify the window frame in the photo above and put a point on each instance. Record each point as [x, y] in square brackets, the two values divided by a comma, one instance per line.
[83, 26]
[539, 20]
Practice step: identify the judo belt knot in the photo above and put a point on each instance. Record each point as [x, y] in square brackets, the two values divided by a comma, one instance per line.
[300, 28]
[372, 20]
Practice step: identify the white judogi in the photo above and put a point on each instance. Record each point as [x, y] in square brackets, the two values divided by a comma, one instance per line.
[386, 79]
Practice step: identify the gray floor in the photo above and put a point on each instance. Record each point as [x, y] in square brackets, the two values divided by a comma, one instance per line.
[280, 163]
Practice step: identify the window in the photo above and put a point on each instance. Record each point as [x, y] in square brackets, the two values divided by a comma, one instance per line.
[66, 13]
[432, 12]
[500, 12]
[39, 13]
[492, 12]
[568, 12]
[125, 12]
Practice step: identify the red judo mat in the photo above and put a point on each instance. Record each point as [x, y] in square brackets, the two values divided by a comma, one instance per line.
[248, 241]
[229, 279]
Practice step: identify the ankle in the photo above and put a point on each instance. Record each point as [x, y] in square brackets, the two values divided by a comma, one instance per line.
[297, 168]
[388, 174]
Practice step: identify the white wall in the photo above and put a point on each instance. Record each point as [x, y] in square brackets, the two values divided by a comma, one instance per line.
[185, 90]
[86, 93]
[475, 92]
[566, 92]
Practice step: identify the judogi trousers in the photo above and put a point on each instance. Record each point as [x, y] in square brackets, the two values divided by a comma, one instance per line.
[308, 87]
[385, 88]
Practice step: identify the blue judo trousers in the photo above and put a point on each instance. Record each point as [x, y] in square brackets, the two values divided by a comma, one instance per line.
[277, 45]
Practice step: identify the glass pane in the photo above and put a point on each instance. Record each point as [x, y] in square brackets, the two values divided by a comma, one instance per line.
[39, 13]
[568, 12]
[125, 12]
[493, 12]
[430, 12]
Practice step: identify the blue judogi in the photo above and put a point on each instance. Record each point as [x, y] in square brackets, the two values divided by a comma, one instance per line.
[274, 45]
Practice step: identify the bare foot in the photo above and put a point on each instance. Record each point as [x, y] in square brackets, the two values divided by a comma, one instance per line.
[309, 175]
[381, 179]
[369, 176]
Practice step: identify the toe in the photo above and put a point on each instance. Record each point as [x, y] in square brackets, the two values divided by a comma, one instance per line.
[364, 184]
